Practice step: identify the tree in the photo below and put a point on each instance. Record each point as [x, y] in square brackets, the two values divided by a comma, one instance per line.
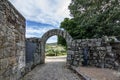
[97, 17]
[61, 41]
[68, 25]
[93, 18]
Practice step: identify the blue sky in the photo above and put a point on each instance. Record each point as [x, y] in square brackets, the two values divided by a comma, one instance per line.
[42, 15]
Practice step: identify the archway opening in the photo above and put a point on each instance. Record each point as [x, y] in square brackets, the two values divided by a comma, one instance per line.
[57, 32]
[55, 52]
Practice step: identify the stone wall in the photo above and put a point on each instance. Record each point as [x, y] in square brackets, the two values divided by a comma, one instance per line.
[116, 51]
[12, 42]
[100, 53]
[32, 53]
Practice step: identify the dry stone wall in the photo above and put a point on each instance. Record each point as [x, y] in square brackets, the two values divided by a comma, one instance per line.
[12, 42]
[100, 53]
[116, 51]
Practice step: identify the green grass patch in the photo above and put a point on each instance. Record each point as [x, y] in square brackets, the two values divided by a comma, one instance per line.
[55, 50]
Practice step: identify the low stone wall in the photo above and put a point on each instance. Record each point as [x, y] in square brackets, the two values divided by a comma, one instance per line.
[12, 42]
[99, 53]
[116, 51]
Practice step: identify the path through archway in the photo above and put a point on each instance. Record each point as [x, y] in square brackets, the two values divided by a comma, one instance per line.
[51, 33]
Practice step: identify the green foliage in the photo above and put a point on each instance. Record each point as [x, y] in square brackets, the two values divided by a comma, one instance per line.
[93, 18]
[61, 41]
[55, 50]
[70, 26]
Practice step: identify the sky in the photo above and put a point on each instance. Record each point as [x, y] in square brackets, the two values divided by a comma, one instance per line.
[42, 15]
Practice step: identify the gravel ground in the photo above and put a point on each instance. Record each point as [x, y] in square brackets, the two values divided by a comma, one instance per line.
[54, 69]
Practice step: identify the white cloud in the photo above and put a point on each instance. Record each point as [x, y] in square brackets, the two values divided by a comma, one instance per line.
[36, 32]
[52, 39]
[45, 11]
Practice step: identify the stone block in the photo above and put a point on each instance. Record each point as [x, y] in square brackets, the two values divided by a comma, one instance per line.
[101, 48]
[75, 63]
[110, 55]
[4, 63]
[70, 57]
[70, 52]
[36, 58]
[1, 53]
[98, 43]
[1, 17]
[78, 41]
[109, 49]
[12, 61]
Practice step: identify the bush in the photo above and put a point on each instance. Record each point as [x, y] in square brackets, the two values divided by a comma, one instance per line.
[55, 50]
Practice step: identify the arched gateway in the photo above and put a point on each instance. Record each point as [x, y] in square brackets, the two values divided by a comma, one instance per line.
[50, 33]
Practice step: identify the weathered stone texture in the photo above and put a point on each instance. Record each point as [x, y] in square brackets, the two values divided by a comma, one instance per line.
[116, 55]
[100, 53]
[12, 42]
[32, 53]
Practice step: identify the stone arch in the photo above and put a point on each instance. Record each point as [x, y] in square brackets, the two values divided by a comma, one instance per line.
[51, 33]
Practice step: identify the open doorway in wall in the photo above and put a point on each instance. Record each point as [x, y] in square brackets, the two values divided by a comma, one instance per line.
[55, 52]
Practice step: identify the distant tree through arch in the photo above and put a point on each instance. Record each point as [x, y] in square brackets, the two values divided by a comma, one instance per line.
[51, 33]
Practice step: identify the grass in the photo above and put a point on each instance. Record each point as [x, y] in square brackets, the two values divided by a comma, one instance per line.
[55, 50]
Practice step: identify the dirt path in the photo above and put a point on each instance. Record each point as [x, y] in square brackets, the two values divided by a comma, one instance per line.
[54, 69]
[99, 73]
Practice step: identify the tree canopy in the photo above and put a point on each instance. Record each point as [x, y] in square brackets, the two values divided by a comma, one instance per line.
[93, 18]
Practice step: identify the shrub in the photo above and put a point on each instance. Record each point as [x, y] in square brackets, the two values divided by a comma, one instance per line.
[55, 50]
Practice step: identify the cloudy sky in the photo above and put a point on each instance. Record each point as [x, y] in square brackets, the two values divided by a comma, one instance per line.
[42, 15]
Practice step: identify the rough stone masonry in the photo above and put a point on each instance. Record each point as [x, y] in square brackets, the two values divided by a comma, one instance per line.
[101, 53]
[12, 42]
